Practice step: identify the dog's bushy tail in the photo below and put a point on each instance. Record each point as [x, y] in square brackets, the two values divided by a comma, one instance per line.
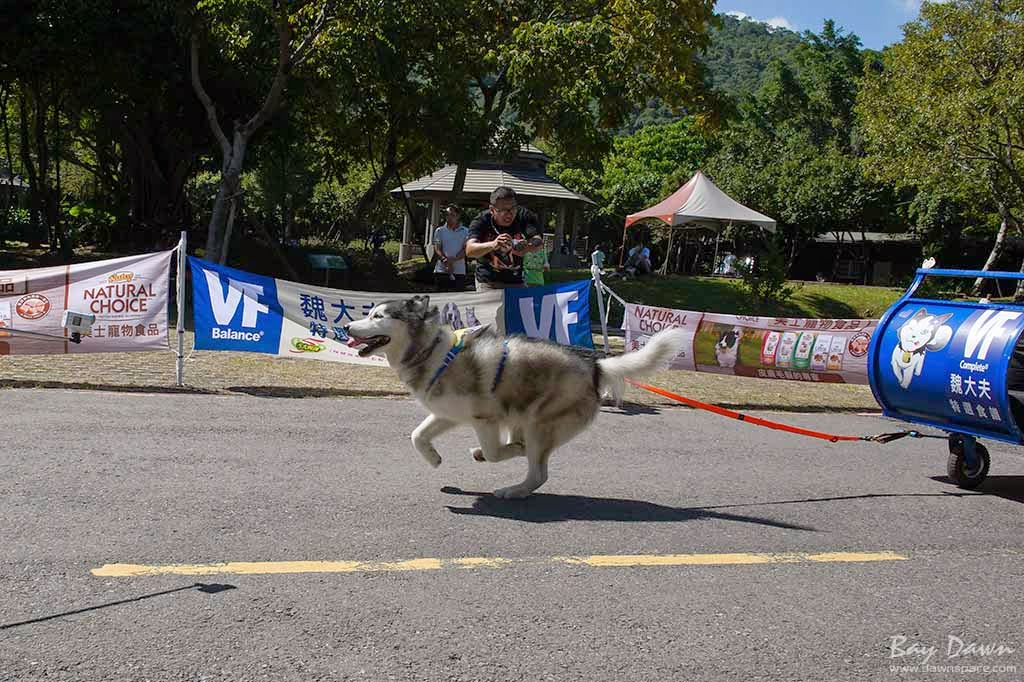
[656, 355]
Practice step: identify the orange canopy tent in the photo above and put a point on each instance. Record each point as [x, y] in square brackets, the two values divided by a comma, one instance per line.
[697, 204]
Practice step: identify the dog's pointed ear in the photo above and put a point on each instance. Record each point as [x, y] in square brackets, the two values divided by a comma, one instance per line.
[421, 306]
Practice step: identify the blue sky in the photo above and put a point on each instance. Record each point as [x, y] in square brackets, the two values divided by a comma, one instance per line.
[876, 22]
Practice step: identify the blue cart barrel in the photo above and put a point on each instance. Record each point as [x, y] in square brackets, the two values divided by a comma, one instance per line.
[957, 366]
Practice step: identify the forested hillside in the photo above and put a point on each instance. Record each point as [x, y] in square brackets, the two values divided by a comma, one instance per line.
[736, 61]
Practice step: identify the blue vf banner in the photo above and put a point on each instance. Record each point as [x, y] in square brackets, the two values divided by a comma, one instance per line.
[234, 309]
[560, 312]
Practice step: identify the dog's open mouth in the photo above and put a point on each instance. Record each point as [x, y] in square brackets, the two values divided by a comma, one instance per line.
[369, 344]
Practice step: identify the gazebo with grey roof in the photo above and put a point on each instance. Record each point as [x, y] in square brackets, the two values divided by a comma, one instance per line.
[526, 174]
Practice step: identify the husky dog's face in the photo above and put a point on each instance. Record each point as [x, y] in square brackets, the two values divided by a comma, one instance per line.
[923, 330]
[391, 325]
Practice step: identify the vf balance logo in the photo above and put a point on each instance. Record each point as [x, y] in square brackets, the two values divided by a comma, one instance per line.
[560, 312]
[234, 310]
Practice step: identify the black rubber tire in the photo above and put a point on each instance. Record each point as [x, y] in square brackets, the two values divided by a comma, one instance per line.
[956, 465]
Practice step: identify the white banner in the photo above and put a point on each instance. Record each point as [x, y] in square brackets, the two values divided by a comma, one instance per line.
[305, 321]
[242, 311]
[128, 296]
[831, 351]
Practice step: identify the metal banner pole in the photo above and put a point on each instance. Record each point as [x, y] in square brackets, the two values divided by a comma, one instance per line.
[182, 261]
[595, 272]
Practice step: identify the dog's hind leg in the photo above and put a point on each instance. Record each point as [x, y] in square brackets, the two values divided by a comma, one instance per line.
[541, 441]
[429, 429]
[491, 448]
[538, 451]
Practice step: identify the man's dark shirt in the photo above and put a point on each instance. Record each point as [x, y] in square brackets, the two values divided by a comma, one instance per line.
[497, 266]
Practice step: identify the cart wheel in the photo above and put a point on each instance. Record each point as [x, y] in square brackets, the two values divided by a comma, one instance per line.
[956, 466]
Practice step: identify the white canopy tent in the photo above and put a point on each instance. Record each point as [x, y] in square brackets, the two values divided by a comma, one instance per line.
[697, 204]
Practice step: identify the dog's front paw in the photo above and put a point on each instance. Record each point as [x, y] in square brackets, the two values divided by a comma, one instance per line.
[433, 459]
[513, 492]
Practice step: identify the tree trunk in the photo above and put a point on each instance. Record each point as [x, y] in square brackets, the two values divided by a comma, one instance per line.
[155, 169]
[1018, 294]
[35, 205]
[428, 257]
[230, 187]
[459, 182]
[8, 195]
[233, 152]
[274, 246]
[233, 203]
[839, 253]
[997, 247]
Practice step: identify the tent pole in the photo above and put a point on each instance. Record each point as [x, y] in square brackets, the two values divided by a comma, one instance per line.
[714, 263]
[622, 253]
[668, 253]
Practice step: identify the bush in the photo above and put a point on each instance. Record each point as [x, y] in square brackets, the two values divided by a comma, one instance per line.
[765, 281]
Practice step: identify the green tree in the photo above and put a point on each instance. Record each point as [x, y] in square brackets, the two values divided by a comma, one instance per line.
[792, 151]
[107, 109]
[945, 110]
[570, 73]
[265, 41]
[642, 168]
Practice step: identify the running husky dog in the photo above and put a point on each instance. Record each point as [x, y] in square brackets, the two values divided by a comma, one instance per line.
[539, 393]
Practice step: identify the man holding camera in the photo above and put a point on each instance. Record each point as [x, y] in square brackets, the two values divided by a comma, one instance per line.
[497, 240]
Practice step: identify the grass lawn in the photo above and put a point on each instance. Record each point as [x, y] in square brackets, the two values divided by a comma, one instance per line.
[724, 295]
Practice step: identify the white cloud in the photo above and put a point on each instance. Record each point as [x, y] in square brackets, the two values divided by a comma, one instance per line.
[774, 22]
[914, 6]
[781, 22]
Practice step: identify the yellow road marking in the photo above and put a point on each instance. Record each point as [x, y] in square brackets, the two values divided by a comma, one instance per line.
[608, 560]
[729, 559]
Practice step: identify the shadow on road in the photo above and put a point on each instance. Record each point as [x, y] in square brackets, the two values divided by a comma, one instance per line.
[1007, 487]
[208, 588]
[313, 392]
[116, 388]
[544, 508]
[632, 408]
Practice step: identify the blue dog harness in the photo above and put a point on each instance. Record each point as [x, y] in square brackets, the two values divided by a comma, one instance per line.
[501, 366]
[460, 342]
[448, 357]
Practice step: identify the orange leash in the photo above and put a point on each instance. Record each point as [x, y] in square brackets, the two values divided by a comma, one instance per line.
[757, 421]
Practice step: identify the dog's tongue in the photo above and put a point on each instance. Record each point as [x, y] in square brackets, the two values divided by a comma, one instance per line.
[355, 341]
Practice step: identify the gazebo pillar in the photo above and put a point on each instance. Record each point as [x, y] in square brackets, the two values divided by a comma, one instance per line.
[573, 231]
[556, 258]
[405, 249]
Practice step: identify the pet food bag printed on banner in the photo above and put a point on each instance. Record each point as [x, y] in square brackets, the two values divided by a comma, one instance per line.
[128, 296]
[241, 311]
[831, 351]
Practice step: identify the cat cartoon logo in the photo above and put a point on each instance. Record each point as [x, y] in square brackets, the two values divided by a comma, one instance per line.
[921, 333]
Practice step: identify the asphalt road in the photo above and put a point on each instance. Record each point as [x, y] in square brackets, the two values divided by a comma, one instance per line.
[699, 549]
